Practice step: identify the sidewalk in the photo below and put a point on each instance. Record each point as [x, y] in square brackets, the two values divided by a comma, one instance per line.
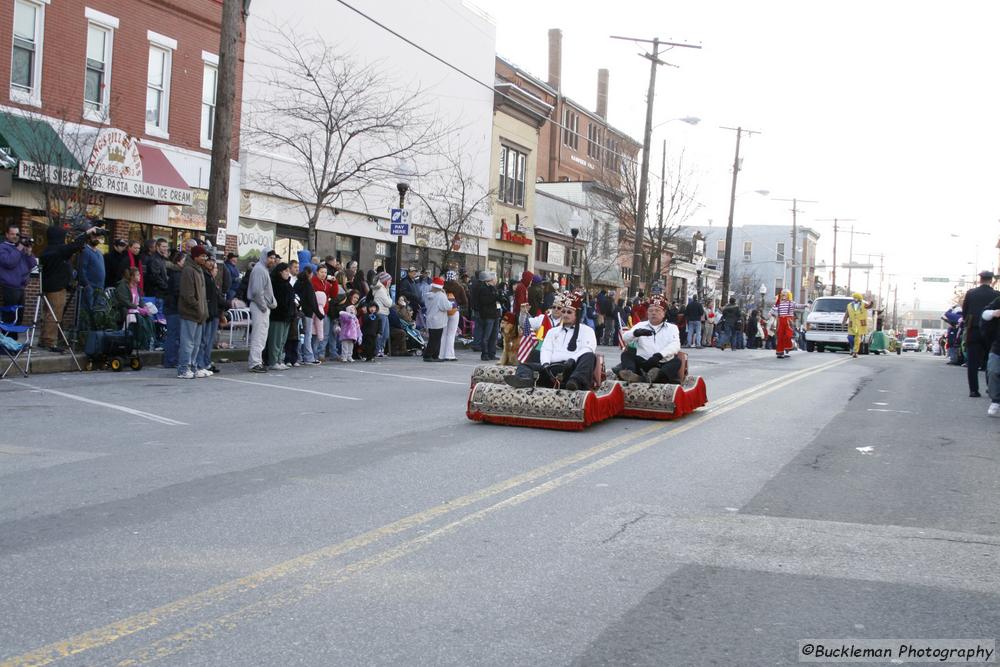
[44, 361]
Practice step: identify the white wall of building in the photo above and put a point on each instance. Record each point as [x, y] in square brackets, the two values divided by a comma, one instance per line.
[448, 28]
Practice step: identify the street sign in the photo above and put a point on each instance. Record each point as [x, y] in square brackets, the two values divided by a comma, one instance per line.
[399, 229]
[220, 237]
[399, 221]
[936, 280]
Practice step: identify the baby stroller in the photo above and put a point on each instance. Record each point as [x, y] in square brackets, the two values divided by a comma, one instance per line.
[110, 349]
[414, 341]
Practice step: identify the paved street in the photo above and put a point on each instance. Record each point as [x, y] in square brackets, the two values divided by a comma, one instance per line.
[352, 515]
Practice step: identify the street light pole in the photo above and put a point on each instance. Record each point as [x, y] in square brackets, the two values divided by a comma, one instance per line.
[796, 288]
[732, 208]
[402, 187]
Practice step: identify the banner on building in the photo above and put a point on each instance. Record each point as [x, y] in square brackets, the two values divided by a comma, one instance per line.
[193, 216]
[254, 238]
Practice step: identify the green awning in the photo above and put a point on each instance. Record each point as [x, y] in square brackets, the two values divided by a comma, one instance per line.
[34, 140]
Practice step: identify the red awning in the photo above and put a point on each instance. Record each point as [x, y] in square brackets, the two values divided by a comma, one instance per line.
[156, 169]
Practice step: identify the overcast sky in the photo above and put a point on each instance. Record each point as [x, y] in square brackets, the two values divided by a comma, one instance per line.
[885, 112]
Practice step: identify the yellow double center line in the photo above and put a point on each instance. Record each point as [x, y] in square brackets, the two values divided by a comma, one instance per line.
[109, 634]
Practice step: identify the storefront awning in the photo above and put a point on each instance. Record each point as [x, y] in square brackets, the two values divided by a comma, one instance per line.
[158, 171]
[35, 141]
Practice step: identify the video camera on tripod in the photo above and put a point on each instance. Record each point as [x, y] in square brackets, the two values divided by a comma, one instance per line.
[83, 226]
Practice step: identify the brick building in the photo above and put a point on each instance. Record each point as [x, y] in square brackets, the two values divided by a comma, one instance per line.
[119, 94]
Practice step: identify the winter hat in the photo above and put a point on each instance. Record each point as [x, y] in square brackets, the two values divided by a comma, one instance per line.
[437, 283]
[384, 277]
[536, 279]
[198, 251]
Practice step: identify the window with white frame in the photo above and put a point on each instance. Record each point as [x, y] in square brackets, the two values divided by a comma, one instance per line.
[779, 284]
[97, 82]
[747, 250]
[158, 89]
[209, 80]
[26, 57]
[594, 141]
[512, 169]
[571, 129]
[779, 255]
[720, 249]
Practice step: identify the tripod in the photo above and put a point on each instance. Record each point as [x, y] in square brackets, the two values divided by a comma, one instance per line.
[38, 321]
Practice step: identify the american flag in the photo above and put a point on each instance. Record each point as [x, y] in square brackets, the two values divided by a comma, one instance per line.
[528, 342]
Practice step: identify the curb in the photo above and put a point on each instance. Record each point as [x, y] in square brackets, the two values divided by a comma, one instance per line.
[64, 363]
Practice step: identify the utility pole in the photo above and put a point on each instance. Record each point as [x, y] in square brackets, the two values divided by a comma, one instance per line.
[796, 287]
[850, 261]
[833, 277]
[659, 221]
[732, 208]
[233, 14]
[654, 60]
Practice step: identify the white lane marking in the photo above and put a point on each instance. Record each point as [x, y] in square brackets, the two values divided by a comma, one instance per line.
[278, 386]
[121, 408]
[866, 450]
[905, 412]
[877, 403]
[405, 377]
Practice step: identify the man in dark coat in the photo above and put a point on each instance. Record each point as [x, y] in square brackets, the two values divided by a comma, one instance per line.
[408, 287]
[57, 275]
[116, 263]
[973, 305]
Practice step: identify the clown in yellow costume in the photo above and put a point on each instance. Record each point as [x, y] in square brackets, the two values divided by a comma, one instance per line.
[857, 322]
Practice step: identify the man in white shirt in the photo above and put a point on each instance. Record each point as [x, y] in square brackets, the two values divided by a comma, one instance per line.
[656, 357]
[568, 354]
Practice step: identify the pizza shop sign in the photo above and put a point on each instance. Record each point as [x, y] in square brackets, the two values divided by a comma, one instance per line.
[114, 167]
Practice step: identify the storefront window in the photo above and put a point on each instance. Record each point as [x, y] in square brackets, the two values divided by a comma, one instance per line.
[384, 252]
[507, 265]
[346, 249]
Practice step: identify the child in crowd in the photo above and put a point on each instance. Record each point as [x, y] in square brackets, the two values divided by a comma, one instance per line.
[350, 333]
[371, 327]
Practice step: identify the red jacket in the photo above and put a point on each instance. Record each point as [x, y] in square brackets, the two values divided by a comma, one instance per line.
[521, 291]
[328, 288]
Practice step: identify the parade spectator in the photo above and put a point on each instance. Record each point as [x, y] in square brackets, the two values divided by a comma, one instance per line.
[973, 305]
[309, 307]
[57, 274]
[232, 269]
[753, 323]
[350, 327]
[489, 315]
[536, 295]
[171, 345]
[454, 315]
[16, 264]
[133, 312]
[727, 324]
[695, 315]
[91, 277]
[438, 309]
[410, 289]
[155, 270]
[216, 300]
[281, 315]
[990, 334]
[321, 288]
[261, 301]
[192, 306]
[711, 319]
[116, 262]
[371, 330]
[356, 280]
[383, 300]
[521, 290]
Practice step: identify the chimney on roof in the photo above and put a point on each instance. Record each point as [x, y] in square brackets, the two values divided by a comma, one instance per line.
[602, 93]
[555, 58]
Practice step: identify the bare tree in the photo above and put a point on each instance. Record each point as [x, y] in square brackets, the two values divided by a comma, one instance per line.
[679, 204]
[454, 201]
[343, 124]
[59, 154]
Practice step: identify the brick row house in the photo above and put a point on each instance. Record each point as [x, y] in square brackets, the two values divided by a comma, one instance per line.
[121, 93]
[575, 145]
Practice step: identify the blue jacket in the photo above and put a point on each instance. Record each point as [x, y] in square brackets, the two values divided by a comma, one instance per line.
[15, 266]
[234, 273]
[305, 259]
[91, 273]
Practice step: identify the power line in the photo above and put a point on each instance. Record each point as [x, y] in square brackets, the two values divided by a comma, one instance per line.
[472, 78]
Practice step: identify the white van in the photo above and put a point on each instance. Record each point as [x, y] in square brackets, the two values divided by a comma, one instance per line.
[826, 325]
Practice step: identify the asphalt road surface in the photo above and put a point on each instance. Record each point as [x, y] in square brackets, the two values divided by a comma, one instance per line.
[350, 514]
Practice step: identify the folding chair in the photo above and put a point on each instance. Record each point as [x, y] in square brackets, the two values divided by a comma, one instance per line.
[239, 318]
[6, 312]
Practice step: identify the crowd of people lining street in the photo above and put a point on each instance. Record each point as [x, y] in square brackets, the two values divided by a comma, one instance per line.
[309, 310]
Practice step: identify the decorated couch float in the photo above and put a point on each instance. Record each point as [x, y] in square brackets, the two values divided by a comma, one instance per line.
[491, 400]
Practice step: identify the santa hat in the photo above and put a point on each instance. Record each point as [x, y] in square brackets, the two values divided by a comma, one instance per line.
[437, 283]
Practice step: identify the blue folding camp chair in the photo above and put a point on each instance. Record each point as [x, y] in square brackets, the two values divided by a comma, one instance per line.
[11, 348]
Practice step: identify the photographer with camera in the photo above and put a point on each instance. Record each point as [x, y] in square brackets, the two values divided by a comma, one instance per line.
[57, 275]
[16, 263]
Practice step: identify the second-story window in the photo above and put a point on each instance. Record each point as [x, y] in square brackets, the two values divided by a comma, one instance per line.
[779, 254]
[158, 87]
[97, 81]
[747, 250]
[571, 129]
[594, 141]
[512, 174]
[26, 60]
[209, 81]
[720, 249]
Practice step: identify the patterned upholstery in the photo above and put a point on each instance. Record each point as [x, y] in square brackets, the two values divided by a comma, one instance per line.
[491, 374]
[662, 401]
[543, 408]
